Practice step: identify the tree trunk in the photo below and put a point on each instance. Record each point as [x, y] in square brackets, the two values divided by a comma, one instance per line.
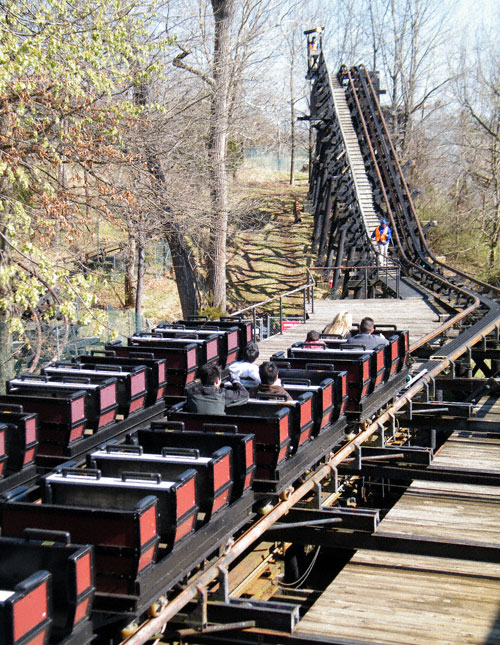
[292, 119]
[130, 292]
[6, 362]
[223, 11]
[185, 273]
[141, 270]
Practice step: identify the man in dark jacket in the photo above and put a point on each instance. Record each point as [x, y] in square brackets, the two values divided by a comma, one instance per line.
[366, 336]
[208, 397]
[269, 382]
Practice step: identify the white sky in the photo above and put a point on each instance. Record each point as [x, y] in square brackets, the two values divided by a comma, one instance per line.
[474, 13]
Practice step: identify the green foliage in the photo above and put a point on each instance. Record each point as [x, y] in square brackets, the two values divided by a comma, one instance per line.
[211, 311]
[67, 70]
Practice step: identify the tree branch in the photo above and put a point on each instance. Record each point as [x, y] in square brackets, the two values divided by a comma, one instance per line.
[179, 62]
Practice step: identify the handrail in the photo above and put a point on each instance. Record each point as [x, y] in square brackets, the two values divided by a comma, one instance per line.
[307, 289]
[383, 271]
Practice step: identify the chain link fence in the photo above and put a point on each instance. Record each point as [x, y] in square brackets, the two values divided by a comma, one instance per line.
[55, 341]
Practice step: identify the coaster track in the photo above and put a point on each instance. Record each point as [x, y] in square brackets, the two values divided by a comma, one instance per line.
[347, 198]
[341, 235]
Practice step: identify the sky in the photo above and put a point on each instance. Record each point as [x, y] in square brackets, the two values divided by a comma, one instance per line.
[475, 13]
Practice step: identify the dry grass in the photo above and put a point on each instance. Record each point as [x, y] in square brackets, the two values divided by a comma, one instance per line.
[273, 259]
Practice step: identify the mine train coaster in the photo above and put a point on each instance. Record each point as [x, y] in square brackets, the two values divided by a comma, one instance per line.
[138, 509]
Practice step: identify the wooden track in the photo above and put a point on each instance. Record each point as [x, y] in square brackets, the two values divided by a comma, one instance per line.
[438, 600]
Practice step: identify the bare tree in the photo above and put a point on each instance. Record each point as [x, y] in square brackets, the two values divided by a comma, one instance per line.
[479, 93]
[234, 33]
[410, 36]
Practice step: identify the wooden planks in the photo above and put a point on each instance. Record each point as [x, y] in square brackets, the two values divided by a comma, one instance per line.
[388, 598]
[397, 598]
[414, 314]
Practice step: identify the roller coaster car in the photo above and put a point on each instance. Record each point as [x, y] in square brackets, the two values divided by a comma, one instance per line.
[207, 349]
[228, 339]
[403, 345]
[100, 398]
[60, 413]
[356, 363]
[399, 342]
[21, 437]
[156, 368]
[391, 351]
[3, 446]
[164, 434]
[301, 414]
[245, 334]
[131, 382]
[317, 376]
[352, 360]
[181, 357]
[322, 398]
[25, 609]
[214, 472]
[125, 540]
[270, 424]
[71, 571]
[177, 503]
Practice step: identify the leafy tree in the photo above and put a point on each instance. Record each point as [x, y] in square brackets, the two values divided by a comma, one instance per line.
[66, 69]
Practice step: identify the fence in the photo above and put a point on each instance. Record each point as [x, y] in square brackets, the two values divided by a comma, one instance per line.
[269, 323]
[54, 340]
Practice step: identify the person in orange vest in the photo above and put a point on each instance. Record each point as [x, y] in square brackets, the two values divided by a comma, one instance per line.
[314, 49]
[382, 236]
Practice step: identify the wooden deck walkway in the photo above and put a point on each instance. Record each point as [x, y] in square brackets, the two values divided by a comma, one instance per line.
[395, 598]
[414, 314]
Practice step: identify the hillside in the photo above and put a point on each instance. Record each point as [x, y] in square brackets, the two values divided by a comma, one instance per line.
[272, 257]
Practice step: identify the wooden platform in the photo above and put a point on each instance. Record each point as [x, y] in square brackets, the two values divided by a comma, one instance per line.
[395, 598]
[414, 314]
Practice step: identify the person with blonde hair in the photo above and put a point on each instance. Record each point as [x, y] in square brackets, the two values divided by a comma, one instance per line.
[340, 325]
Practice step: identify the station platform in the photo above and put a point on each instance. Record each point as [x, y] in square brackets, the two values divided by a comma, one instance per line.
[415, 314]
[394, 597]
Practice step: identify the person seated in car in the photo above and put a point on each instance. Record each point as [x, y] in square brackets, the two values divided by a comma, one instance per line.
[246, 371]
[340, 325]
[366, 337]
[313, 341]
[208, 397]
[270, 384]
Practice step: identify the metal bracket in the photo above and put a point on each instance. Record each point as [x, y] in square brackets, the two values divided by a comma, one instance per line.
[199, 617]
[222, 593]
[317, 495]
[357, 458]
[432, 384]
[392, 417]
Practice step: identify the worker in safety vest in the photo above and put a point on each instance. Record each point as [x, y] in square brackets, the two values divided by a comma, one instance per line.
[382, 236]
[314, 49]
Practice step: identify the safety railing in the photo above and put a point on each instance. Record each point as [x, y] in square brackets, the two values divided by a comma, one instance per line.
[388, 275]
[259, 328]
